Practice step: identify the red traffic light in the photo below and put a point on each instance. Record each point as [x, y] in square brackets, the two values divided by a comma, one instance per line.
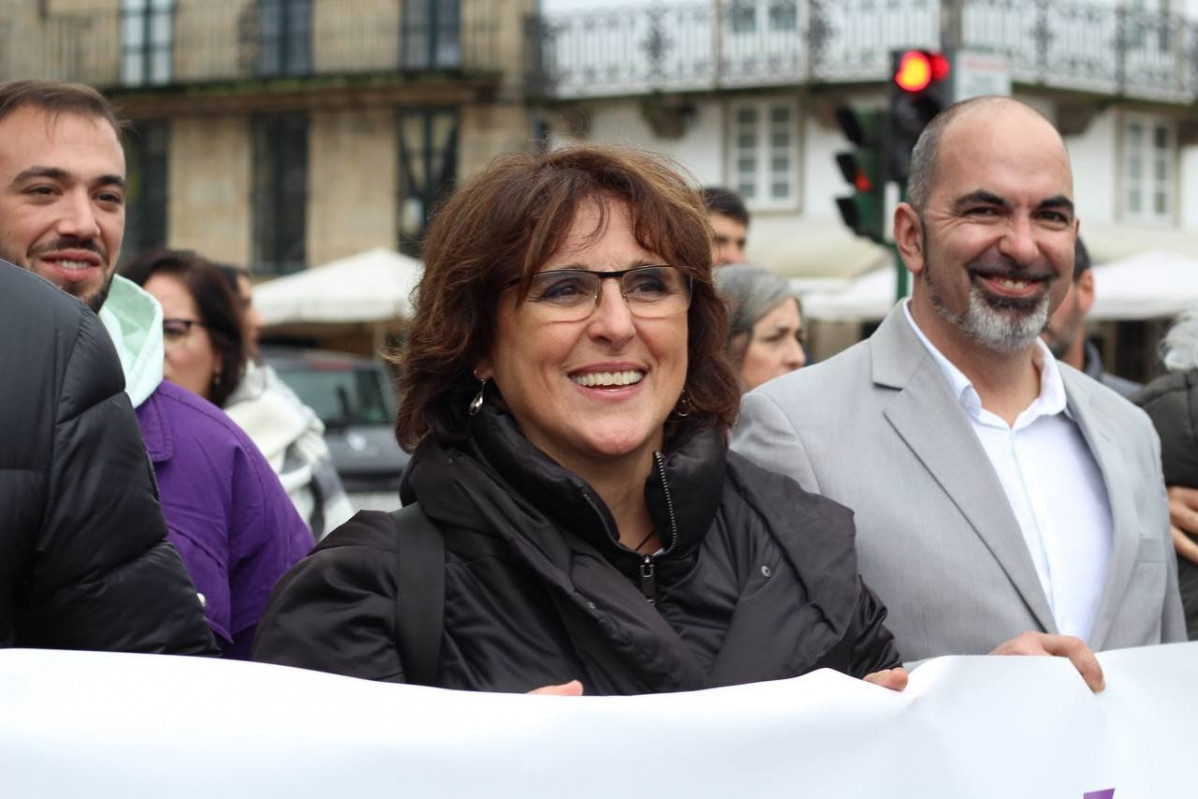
[918, 69]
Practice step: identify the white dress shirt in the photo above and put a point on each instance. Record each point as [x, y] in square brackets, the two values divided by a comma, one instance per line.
[1053, 484]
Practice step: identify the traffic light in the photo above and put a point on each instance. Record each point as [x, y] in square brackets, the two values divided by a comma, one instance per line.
[864, 169]
[919, 90]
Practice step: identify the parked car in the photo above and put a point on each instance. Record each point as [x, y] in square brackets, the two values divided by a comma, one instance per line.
[355, 399]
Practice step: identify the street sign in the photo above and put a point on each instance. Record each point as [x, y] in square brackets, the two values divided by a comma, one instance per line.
[976, 74]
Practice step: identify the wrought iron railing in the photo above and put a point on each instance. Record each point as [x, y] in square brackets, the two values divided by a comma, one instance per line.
[709, 44]
[1078, 45]
[182, 42]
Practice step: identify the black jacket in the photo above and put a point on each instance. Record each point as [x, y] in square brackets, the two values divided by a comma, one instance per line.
[758, 580]
[84, 561]
[1171, 401]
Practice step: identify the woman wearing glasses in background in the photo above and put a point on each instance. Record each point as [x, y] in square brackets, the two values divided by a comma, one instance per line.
[225, 510]
[201, 324]
[568, 403]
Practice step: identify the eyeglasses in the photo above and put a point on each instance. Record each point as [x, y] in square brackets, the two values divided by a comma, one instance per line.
[177, 329]
[571, 295]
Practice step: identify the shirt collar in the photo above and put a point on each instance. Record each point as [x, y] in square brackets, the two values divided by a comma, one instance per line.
[1050, 402]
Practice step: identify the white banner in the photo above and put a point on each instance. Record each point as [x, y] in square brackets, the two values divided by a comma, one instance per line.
[92, 724]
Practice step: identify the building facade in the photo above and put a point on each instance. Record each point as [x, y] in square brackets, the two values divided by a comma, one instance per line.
[282, 134]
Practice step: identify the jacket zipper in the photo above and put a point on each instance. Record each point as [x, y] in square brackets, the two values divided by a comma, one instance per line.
[648, 580]
[648, 568]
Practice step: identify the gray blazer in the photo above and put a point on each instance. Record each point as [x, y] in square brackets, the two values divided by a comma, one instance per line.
[878, 429]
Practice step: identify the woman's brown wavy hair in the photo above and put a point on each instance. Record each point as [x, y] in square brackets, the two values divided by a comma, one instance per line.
[503, 226]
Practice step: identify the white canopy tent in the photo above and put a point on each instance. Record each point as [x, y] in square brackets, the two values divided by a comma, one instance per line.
[864, 299]
[1145, 286]
[373, 286]
[1148, 285]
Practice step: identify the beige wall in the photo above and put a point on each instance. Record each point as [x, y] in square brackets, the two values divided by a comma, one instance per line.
[210, 187]
[208, 39]
[505, 18]
[491, 130]
[355, 35]
[77, 40]
[54, 7]
[351, 183]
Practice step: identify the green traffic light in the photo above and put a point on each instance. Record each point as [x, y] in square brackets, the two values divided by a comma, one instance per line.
[863, 168]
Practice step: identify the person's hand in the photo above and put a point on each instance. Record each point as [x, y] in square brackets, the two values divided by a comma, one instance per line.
[1082, 657]
[894, 679]
[1183, 517]
[572, 688]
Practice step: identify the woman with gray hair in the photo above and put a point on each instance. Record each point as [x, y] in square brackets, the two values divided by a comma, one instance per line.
[1170, 402]
[765, 336]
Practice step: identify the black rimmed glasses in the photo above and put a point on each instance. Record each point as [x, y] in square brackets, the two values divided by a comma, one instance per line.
[571, 295]
[178, 329]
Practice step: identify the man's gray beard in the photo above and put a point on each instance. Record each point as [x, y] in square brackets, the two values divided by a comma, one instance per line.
[1005, 331]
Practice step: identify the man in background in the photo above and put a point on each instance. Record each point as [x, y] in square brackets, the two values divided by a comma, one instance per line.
[730, 221]
[1065, 334]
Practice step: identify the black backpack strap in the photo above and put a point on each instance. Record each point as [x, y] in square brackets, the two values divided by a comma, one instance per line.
[420, 595]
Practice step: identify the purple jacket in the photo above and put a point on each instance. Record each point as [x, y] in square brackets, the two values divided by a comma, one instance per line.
[226, 512]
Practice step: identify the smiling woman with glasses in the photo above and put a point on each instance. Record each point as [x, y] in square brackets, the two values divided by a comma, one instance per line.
[568, 402]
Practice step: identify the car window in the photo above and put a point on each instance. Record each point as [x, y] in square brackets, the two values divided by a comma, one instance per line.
[357, 396]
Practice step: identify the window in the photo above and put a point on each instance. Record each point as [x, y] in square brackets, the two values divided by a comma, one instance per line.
[1149, 170]
[284, 37]
[428, 155]
[780, 15]
[764, 154]
[147, 147]
[147, 39]
[784, 15]
[742, 16]
[1147, 25]
[280, 193]
[431, 35]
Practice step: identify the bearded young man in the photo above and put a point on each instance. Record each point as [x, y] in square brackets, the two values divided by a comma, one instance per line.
[1005, 503]
[62, 217]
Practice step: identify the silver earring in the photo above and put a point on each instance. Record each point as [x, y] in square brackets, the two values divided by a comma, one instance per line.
[216, 378]
[477, 403]
[683, 407]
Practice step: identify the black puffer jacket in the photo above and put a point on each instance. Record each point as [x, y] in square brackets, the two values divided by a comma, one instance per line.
[84, 562]
[1171, 401]
[758, 580]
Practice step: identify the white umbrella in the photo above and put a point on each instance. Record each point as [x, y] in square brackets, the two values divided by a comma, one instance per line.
[866, 298]
[1145, 286]
[372, 286]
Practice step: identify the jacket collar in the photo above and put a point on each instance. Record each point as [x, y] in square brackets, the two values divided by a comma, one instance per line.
[134, 322]
[930, 421]
[686, 482]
